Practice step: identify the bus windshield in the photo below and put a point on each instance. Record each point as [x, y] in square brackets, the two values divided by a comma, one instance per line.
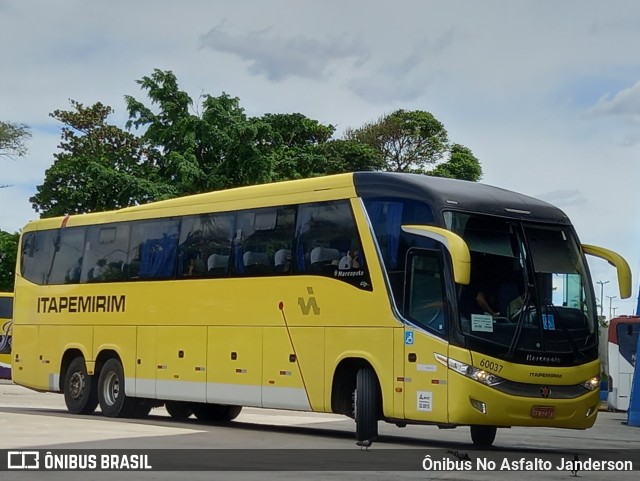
[527, 299]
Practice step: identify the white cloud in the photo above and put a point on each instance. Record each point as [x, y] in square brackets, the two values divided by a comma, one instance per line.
[626, 102]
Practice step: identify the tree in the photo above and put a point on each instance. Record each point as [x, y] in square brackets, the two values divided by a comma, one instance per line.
[409, 141]
[187, 147]
[12, 139]
[462, 164]
[198, 152]
[212, 144]
[8, 254]
[100, 167]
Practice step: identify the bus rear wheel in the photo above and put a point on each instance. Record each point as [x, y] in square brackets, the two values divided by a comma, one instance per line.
[483, 435]
[365, 405]
[178, 410]
[80, 392]
[216, 412]
[113, 401]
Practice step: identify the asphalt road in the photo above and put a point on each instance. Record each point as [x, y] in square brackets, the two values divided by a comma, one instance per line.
[321, 442]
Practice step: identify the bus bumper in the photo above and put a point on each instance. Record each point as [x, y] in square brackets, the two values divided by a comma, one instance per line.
[484, 405]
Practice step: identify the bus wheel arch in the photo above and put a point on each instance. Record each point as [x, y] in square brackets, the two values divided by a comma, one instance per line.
[79, 388]
[356, 392]
[344, 385]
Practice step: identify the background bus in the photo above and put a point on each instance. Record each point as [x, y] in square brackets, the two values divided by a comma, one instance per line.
[354, 294]
[6, 316]
[622, 345]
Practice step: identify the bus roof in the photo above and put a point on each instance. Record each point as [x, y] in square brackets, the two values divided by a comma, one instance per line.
[441, 193]
[452, 194]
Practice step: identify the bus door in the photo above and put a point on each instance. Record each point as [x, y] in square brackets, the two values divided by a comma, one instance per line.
[425, 379]
[623, 342]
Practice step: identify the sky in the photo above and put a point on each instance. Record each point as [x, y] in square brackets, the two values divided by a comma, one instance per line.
[545, 93]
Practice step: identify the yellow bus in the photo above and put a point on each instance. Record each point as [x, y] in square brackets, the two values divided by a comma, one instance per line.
[6, 316]
[356, 294]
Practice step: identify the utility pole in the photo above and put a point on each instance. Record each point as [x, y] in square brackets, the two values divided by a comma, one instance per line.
[611, 298]
[602, 296]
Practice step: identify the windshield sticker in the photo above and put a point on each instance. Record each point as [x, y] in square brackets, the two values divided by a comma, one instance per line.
[548, 322]
[425, 401]
[481, 323]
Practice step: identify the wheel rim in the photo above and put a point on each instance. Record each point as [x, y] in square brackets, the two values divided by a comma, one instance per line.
[76, 385]
[111, 389]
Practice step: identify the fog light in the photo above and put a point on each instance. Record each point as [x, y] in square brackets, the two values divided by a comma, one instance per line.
[479, 405]
[591, 411]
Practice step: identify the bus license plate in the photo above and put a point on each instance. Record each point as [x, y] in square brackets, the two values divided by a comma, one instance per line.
[547, 412]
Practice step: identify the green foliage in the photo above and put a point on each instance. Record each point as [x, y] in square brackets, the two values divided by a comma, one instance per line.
[12, 139]
[462, 164]
[214, 145]
[100, 167]
[186, 147]
[409, 141]
[8, 254]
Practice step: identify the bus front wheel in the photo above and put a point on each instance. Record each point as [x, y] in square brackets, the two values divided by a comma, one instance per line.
[483, 435]
[365, 405]
[113, 401]
[80, 393]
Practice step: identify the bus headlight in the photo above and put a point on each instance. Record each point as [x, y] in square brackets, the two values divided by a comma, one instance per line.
[592, 384]
[474, 373]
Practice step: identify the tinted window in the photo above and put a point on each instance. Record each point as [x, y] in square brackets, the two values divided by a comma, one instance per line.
[425, 296]
[154, 249]
[205, 245]
[37, 255]
[328, 244]
[106, 253]
[263, 241]
[6, 308]
[67, 262]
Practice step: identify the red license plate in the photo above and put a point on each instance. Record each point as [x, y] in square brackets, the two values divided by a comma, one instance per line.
[547, 412]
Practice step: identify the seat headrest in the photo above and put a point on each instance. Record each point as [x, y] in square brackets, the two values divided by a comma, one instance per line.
[324, 254]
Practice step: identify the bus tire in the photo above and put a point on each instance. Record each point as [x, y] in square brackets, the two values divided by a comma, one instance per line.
[365, 405]
[178, 410]
[483, 435]
[80, 390]
[216, 412]
[113, 401]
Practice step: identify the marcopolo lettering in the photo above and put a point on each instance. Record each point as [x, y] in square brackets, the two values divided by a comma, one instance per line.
[79, 304]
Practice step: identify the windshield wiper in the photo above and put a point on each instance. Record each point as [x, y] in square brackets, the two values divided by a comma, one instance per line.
[563, 327]
[521, 315]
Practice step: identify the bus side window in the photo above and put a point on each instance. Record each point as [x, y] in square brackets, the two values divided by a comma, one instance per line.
[263, 243]
[156, 244]
[37, 256]
[327, 244]
[67, 262]
[205, 245]
[425, 295]
[106, 252]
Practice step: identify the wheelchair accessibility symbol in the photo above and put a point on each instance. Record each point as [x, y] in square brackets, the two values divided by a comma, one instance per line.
[408, 338]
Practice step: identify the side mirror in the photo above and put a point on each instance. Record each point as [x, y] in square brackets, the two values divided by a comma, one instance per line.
[617, 261]
[455, 245]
